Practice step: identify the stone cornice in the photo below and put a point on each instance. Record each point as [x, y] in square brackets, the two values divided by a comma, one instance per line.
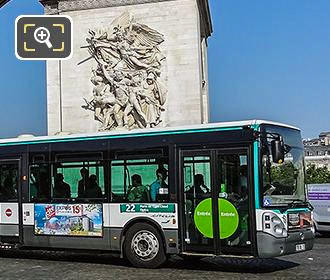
[59, 6]
[74, 5]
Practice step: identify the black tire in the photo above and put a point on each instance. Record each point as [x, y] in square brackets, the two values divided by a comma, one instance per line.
[143, 246]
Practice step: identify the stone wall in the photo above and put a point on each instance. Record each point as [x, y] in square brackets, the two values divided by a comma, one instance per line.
[183, 73]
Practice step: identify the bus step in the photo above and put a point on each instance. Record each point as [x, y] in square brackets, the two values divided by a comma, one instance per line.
[197, 254]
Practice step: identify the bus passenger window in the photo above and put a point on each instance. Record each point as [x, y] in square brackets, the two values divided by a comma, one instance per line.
[234, 180]
[8, 182]
[92, 189]
[40, 187]
[139, 180]
[81, 180]
[61, 188]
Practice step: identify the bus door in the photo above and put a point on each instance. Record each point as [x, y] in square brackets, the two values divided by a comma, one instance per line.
[9, 201]
[215, 208]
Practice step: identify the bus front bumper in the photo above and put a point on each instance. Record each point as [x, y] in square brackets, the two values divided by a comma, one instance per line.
[270, 246]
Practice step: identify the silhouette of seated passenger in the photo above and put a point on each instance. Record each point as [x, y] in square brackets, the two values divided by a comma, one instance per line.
[161, 174]
[199, 188]
[8, 191]
[82, 184]
[43, 186]
[92, 189]
[137, 192]
[61, 189]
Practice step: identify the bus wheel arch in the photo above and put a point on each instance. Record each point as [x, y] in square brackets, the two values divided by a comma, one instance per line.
[148, 235]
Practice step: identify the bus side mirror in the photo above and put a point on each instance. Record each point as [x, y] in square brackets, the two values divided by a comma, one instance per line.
[278, 150]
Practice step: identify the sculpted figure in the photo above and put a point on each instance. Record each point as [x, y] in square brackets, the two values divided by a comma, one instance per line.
[155, 97]
[134, 103]
[127, 91]
[118, 85]
[96, 100]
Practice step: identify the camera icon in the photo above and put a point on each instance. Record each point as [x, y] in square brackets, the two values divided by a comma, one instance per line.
[43, 37]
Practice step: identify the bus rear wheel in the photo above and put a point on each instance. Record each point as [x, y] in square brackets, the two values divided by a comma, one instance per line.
[144, 247]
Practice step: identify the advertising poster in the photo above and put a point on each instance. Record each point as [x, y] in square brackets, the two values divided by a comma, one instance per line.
[319, 197]
[68, 219]
[319, 193]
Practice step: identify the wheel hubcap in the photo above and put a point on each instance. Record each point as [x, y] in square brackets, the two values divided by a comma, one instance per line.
[145, 245]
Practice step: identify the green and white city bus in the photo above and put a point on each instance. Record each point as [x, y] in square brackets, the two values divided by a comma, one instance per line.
[217, 189]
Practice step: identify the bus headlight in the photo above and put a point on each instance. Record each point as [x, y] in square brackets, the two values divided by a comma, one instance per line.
[285, 232]
[272, 224]
[279, 230]
[276, 220]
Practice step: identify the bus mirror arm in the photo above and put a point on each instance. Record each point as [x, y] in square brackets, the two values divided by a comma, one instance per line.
[277, 146]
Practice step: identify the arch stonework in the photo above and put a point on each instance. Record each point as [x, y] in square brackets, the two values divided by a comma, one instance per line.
[135, 64]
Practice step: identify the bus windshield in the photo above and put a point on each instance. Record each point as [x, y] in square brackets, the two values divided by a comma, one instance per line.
[284, 184]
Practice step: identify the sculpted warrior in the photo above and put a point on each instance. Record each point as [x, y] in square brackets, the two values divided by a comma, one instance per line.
[155, 96]
[128, 91]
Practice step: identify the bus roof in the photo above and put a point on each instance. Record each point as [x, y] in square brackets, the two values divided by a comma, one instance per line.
[30, 139]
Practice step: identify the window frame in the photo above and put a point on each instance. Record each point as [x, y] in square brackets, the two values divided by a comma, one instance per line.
[54, 165]
[72, 165]
[16, 162]
[160, 153]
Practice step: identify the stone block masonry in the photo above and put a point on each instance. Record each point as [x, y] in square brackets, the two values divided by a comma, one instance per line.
[135, 64]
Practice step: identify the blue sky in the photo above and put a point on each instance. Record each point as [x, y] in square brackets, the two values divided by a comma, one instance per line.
[267, 59]
[22, 83]
[270, 60]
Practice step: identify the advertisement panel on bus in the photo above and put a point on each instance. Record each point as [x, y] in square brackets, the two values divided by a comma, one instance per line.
[68, 219]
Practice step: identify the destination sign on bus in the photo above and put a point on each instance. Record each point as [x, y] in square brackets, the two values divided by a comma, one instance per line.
[147, 208]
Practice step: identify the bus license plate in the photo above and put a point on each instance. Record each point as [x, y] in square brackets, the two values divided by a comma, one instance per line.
[300, 247]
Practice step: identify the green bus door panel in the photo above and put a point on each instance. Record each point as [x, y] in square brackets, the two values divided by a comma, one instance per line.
[228, 218]
[215, 193]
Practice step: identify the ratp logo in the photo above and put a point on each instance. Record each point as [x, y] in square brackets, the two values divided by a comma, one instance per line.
[43, 37]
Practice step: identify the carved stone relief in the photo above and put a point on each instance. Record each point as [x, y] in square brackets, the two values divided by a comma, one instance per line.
[128, 81]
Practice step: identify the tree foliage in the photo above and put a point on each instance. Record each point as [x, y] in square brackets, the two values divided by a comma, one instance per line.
[284, 174]
[317, 175]
[285, 177]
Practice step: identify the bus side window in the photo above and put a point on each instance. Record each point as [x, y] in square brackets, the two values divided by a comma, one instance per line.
[40, 183]
[8, 182]
[118, 182]
[139, 180]
[79, 180]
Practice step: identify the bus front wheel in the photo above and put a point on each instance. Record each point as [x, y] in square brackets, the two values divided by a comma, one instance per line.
[144, 247]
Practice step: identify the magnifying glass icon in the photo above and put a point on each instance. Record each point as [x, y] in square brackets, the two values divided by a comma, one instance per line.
[42, 35]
